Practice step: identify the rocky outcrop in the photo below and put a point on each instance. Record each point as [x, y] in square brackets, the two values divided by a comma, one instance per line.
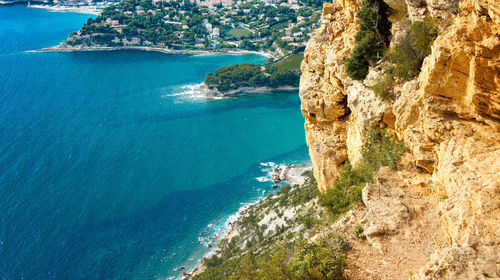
[448, 118]
[386, 210]
[451, 122]
[323, 92]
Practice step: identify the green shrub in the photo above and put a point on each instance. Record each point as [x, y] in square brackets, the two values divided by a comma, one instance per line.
[309, 221]
[324, 259]
[410, 50]
[73, 41]
[347, 190]
[359, 232]
[357, 65]
[378, 149]
[454, 7]
[212, 261]
[382, 86]
[371, 40]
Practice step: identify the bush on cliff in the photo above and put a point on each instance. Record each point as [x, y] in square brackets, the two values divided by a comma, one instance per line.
[372, 39]
[324, 259]
[379, 148]
[410, 50]
[383, 85]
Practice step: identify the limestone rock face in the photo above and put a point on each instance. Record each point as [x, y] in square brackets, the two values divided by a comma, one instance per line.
[365, 109]
[468, 181]
[322, 90]
[448, 118]
[450, 121]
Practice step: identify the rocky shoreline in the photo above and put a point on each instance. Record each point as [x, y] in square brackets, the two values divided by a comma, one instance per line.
[94, 10]
[243, 91]
[64, 48]
[81, 8]
[292, 175]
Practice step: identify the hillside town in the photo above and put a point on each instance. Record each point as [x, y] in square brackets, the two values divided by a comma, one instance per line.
[273, 26]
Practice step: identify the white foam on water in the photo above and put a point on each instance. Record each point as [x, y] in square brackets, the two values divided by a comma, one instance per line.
[220, 228]
[190, 92]
[263, 179]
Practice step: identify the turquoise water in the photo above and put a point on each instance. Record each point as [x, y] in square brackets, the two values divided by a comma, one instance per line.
[109, 167]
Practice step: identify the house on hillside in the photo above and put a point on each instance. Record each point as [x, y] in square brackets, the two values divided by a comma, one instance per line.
[215, 33]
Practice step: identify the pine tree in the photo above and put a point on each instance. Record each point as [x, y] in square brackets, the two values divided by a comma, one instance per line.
[372, 39]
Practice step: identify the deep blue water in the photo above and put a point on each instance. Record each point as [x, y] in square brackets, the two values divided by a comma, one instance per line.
[106, 171]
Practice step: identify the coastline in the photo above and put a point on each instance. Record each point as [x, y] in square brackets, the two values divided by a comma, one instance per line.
[45, 5]
[294, 177]
[214, 93]
[61, 48]
[93, 10]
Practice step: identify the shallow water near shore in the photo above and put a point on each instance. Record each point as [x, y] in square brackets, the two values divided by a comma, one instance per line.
[109, 168]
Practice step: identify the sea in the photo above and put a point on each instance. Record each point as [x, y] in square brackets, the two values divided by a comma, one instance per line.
[112, 166]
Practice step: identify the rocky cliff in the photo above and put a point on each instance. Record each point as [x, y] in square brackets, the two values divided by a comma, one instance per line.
[448, 118]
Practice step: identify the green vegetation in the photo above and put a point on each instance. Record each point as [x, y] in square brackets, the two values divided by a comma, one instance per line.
[406, 57]
[454, 7]
[410, 50]
[324, 259]
[347, 190]
[183, 25]
[382, 86]
[279, 248]
[359, 232]
[379, 149]
[371, 40]
[254, 75]
[282, 253]
[234, 76]
[239, 33]
[291, 62]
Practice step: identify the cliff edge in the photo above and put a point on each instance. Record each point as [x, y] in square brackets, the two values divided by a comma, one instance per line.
[449, 119]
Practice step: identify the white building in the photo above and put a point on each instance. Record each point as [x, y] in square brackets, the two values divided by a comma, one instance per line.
[113, 23]
[209, 27]
[215, 33]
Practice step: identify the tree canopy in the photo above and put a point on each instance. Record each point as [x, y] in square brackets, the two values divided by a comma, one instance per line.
[372, 39]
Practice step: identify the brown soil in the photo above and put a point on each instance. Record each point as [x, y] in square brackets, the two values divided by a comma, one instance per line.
[399, 255]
